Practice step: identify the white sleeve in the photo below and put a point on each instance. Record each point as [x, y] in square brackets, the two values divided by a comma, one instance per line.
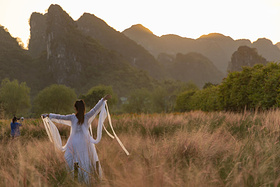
[53, 134]
[94, 111]
[62, 119]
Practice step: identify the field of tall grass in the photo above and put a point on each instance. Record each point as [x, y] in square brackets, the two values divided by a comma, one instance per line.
[180, 149]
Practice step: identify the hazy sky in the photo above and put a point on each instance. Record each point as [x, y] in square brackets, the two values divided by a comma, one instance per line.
[250, 19]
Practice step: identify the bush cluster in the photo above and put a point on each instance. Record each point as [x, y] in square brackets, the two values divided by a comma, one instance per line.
[252, 88]
[15, 99]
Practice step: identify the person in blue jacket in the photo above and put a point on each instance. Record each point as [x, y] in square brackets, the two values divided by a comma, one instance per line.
[15, 127]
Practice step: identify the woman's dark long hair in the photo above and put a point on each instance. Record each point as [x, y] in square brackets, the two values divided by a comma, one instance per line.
[81, 109]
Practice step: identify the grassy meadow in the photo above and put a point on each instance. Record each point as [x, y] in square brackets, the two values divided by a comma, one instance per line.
[180, 149]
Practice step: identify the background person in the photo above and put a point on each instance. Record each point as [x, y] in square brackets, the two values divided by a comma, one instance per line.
[15, 127]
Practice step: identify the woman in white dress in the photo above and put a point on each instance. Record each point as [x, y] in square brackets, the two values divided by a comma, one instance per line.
[80, 153]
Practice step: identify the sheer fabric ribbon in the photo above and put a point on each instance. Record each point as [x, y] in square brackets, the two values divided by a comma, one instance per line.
[55, 137]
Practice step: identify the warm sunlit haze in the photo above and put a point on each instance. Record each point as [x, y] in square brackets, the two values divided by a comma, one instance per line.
[239, 19]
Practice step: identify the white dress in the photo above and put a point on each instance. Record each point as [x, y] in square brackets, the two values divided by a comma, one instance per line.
[80, 146]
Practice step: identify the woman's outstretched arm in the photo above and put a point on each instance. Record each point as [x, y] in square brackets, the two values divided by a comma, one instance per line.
[96, 109]
[62, 119]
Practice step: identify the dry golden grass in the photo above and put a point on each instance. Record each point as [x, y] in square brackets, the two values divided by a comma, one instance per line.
[181, 149]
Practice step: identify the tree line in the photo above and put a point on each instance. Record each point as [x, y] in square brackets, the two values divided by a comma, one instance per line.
[15, 98]
[252, 88]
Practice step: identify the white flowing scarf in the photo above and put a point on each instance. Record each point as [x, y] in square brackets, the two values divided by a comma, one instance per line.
[55, 137]
[53, 134]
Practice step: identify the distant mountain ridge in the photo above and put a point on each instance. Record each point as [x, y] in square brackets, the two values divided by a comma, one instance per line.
[14, 60]
[138, 56]
[217, 47]
[90, 32]
[191, 67]
[278, 45]
[245, 56]
[63, 54]
[88, 52]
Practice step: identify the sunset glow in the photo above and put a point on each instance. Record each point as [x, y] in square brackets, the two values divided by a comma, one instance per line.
[250, 19]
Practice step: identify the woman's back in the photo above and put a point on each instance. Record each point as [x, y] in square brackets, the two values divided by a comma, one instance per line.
[80, 149]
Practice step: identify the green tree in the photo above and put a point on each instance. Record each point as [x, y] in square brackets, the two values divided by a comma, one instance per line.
[271, 86]
[208, 84]
[164, 96]
[55, 99]
[159, 99]
[183, 101]
[255, 90]
[139, 102]
[14, 97]
[96, 93]
[234, 90]
[206, 99]
[253, 87]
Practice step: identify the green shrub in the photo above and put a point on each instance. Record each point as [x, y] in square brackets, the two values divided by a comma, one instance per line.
[55, 99]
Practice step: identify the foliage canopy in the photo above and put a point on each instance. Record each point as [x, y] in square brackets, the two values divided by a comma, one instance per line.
[98, 92]
[14, 97]
[56, 99]
[252, 88]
